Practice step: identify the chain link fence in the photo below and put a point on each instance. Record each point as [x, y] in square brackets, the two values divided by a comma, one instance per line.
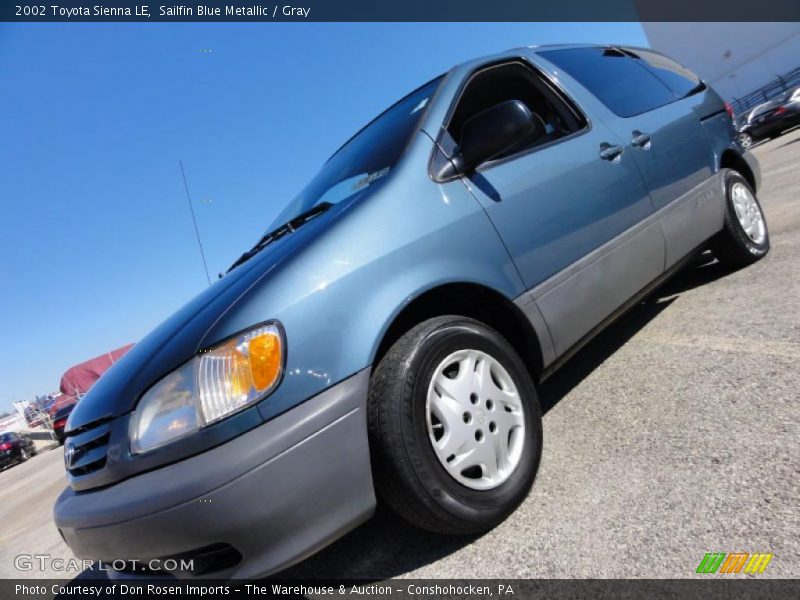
[767, 92]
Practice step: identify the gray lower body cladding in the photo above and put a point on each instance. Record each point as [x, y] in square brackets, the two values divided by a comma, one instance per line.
[570, 304]
[275, 494]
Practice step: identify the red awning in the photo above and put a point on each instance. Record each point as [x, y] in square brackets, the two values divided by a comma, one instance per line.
[77, 380]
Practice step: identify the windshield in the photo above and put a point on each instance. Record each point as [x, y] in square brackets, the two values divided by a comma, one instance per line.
[6, 437]
[365, 158]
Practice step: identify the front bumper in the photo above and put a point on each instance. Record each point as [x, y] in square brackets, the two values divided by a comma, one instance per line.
[275, 494]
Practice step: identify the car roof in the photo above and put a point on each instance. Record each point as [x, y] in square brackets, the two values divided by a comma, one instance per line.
[564, 46]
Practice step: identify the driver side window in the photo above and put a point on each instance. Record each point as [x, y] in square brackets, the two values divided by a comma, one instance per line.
[517, 81]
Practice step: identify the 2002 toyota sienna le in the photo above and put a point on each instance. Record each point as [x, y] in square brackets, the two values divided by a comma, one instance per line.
[389, 331]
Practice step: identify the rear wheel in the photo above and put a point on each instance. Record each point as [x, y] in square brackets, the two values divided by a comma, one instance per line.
[744, 238]
[745, 140]
[455, 427]
[23, 455]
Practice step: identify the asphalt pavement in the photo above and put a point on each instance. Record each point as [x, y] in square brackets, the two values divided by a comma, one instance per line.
[673, 434]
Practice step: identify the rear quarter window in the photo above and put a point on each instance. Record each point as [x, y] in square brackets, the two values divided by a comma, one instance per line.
[615, 78]
[676, 77]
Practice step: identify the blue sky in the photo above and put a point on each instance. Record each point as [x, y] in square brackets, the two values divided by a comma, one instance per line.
[96, 240]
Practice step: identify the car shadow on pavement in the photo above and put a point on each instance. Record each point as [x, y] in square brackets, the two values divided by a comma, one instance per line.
[597, 351]
[701, 270]
[384, 547]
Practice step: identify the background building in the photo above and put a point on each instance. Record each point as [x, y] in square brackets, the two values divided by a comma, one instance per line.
[739, 60]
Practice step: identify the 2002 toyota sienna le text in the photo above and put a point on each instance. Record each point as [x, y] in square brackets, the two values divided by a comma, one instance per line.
[389, 331]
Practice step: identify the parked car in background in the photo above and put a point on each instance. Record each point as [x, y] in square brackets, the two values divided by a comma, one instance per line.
[78, 379]
[389, 331]
[770, 119]
[15, 447]
[60, 421]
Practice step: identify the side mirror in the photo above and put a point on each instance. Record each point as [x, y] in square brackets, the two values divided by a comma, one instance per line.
[488, 134]
[493, 131]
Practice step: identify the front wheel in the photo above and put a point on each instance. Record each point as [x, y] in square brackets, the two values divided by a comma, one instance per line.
[455, 427]
[744, 238]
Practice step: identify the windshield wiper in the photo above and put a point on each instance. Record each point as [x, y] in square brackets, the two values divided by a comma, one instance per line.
[279, 232]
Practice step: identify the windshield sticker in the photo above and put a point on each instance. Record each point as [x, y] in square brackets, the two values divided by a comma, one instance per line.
[371, 178]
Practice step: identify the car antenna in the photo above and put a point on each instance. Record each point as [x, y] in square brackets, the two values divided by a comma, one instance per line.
[194, 220]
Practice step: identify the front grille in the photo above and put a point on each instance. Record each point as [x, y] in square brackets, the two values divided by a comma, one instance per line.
[87, 451]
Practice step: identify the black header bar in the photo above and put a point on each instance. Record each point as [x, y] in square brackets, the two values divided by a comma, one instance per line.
[399, 10]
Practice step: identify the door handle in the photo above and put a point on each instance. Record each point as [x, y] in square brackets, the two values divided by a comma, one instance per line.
[640, 139]
[609, 152]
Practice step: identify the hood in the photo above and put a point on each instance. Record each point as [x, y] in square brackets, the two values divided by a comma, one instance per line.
[178, 338]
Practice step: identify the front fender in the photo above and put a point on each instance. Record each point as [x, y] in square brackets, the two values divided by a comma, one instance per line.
[755, 167]
[337, 296]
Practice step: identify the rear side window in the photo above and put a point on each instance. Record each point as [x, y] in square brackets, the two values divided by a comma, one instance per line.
[675, 76]
[619, 81]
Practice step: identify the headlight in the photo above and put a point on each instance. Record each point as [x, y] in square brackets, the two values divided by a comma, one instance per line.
[213, 385]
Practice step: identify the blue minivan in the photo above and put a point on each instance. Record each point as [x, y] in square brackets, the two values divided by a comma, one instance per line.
[388, 333]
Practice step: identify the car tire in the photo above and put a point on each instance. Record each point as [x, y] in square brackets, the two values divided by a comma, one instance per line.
[23, 455]
[411, 472]
[744, 238]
